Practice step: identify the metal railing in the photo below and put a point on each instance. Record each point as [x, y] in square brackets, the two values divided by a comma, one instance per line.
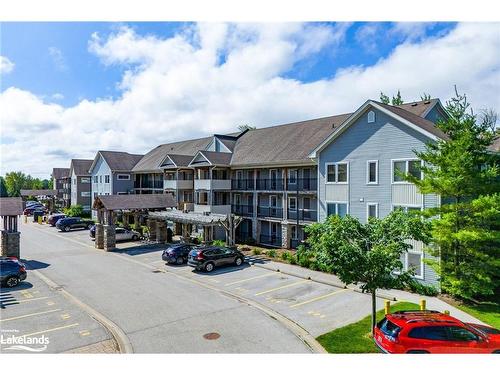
[243, 184]
[302, 184]
[270, 240]
[270, 212]
[304, 214]
[273, 184]
[242, 209]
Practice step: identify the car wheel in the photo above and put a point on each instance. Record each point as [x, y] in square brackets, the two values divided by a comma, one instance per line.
[238, 261]
[179, 260]
[209, 267]
[67, 229]
[135, 238]
[417, 352]
[496, 352]
[12, 281]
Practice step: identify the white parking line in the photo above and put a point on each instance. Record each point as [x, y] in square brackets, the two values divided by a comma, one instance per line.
[253, 278]
[28, 315]
[50, 330]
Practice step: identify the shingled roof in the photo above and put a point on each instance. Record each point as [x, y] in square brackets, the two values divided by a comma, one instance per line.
[134, 201]
[59, 173]
[120, 161]
[179, 161]
[81, 166]
[11, 206]
[420, 108]
[152, 160]
[214, 158]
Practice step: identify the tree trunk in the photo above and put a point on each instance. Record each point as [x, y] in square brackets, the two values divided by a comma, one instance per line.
[374, 311]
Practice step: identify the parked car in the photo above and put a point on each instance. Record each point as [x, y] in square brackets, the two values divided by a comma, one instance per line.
[433, 332]
[54, 218]
[207, 258]
[69, 223]
[28, 211]
[12, 271]
[177, 254]
[121, 234]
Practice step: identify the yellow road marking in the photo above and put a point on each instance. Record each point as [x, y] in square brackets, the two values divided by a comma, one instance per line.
[50, 330]
[29, 300]
[318, 298]
[282, 287]
[28, 315]
[252, 278]
[50, 303]
[65, 316]
[84, 333]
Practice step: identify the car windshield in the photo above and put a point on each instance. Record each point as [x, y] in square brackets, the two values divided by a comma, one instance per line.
[388, 327]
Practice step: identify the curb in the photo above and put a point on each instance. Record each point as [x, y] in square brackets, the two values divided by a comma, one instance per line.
[320, 281]
[124, 345]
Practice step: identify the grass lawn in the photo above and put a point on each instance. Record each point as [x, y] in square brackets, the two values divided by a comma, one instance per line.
[356, 337]
[487, 312]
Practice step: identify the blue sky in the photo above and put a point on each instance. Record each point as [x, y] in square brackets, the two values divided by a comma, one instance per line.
[71, 89]
[53, 58]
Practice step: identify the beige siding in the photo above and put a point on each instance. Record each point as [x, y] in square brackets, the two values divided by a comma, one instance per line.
[406, 194]
[336, 193]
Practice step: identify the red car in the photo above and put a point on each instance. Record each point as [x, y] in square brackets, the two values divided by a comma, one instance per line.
[433, 332]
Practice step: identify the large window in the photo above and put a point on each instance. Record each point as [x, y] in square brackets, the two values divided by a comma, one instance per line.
[337, 173]
[106, 179]
[292, 203]
[292, 176]
[336, 208]
[372, 172]
[411, 166]
[372, 210]
[123, 177]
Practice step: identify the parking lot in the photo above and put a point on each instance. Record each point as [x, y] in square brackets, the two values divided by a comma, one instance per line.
[33, 310]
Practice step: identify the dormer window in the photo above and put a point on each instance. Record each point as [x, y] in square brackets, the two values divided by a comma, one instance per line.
[371, 116]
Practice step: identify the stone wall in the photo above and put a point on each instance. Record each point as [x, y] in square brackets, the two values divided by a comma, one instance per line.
[99, 236]
[109, 237]
[161, 232]
[9, 244]
[285, 236]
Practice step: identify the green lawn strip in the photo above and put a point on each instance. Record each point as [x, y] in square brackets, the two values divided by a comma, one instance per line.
[487, 312]
[356, 337]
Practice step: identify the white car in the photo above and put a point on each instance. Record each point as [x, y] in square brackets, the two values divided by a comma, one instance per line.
[123, 234]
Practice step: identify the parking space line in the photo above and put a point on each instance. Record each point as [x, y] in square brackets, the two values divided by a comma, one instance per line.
[28, 315]
[282, 287]
[31, 299]
[253, 278]
[318, 298]
[50, 330]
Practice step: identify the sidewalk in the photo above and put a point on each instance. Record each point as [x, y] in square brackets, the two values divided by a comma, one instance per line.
[433, 303]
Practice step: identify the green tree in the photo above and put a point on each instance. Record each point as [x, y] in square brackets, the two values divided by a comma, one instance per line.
[244, 127]
[3, 188]
[396, 100]
[74, 211]
[463, 172]
[384, 98]
[15, 181]
[367, 254]
[425, 97]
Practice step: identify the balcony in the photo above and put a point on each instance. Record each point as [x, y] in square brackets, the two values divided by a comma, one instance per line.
[214, 208]
[270, 212]
[242, 209]
[158, 184]
[302, 184]
[178, 184]
[294, 243]
[212, 184]
[271, 184]
[304, 215]
[243, 236]
[243, 184]
[272, 240]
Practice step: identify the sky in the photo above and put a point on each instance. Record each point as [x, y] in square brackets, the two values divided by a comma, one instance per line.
[68, 89]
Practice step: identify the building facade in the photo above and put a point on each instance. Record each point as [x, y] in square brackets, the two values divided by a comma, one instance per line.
[81, 187]
[61, 182]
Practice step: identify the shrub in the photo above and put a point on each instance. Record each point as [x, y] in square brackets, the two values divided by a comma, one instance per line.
[313, 266]
[256, 251]
[426, 290]
[293, 259]
[74, 211]
[304, 261]
[271, 253]
[285, 255]
[250, 241]
[219, 243]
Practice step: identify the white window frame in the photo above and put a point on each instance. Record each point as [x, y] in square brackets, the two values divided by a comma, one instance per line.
[336, 203]
[290, 173]
[109, 179]
[405, 264]
[407, 160]
[292, 228]
[123, 175]
[337, 173]
[96, 179]
[289, 205]
[85, 180]
[371, 118]
[85, 194]
[368, 204]
[368, 182]
[271, 199]
[100, 179]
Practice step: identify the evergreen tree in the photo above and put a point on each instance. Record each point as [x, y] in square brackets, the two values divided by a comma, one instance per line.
[397, 100]
[384, 98]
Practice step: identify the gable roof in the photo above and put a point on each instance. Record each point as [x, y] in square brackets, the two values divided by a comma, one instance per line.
[213, 158]
[420, 108]
[11, 206]
[176, 161]
[118, 161]
[81, 166]
[154, 158]
[58, 173]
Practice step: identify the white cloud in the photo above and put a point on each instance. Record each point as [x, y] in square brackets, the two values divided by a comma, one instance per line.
[58, 59]
[6, 66]
[211, 77]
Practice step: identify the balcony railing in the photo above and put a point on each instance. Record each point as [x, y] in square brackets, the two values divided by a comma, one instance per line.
[302, 184]
[270, 212]
[243, 236]
[242, 209]
[273, 184]
[273, 240]
[243, 184]
[304, 214]
[294, 243]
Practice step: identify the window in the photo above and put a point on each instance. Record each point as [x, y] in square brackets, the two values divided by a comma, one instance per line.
[337, 173]
[106, 179]
[372, 210]
[292, 176]
[237, 199]
[460, 334]
[95, 194]
[372, 172]
[429, 333]
[339, 209]
[100, 179]
[96, 179]
[407, 208]
[411, 167]
[273, 200]
[414, 262]
[85, 180]
[123, 177]
[74, 181]
[371, 117]
[292, 203]
[85, 193]
[293, 232]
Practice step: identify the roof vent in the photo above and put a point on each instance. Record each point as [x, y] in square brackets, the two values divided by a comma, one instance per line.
[333, 126]
[427, 102]
[414, 104]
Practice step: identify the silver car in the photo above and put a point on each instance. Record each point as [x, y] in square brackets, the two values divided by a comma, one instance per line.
[123, 234]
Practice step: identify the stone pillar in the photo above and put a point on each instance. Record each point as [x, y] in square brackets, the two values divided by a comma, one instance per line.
[152, 229]
[178, 229]
[285, 236]
[9, 244]
[126, 220]
[99, 236]
[161, 231]
[257, 231]
[109, 237]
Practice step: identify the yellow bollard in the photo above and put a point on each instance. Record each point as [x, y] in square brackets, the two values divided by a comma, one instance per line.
[39, 220]
[422, 304]
[25, 219]
[387, 307]
[446, 312]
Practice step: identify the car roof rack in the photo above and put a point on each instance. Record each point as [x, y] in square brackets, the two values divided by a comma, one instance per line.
[417, 311]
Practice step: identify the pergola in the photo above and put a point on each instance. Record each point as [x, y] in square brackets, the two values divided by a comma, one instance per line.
[40, 193]
[206, 219]
[130, 205]
[10, 209]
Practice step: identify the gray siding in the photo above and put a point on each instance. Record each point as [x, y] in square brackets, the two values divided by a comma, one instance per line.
[122, 186]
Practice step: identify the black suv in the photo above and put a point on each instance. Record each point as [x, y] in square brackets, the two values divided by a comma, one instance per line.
[12, 271]
[177, 254]
[207, 258]
[69, 223]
